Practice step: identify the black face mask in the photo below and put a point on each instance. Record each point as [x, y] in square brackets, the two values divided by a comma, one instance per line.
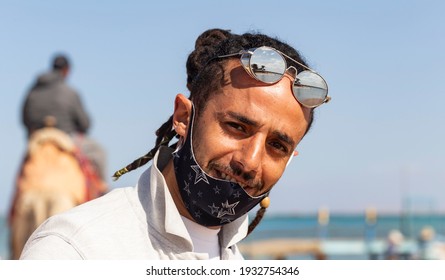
[210, 201]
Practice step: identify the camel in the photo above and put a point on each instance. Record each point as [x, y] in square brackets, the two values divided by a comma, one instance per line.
[53, 178]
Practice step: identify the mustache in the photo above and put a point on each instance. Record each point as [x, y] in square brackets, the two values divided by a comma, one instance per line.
[235, 171]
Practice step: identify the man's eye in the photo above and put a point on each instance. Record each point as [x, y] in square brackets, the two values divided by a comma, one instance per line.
[279, 146]
[236, 126]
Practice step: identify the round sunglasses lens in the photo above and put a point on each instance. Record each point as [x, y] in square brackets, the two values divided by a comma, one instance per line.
[310, 89]
[267, 65]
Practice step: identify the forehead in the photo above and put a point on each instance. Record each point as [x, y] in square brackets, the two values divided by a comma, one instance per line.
[271, 105]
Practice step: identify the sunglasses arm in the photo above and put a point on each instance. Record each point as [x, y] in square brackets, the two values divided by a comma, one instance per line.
[301, 64]
[232, 54]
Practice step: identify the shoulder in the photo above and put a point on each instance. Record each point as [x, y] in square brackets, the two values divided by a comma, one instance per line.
[94, 224]
[67, 89]
[96, 212]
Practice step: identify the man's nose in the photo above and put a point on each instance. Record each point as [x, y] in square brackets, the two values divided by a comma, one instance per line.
[251, 154]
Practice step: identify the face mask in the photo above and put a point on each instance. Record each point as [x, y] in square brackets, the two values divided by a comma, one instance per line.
[210, 201]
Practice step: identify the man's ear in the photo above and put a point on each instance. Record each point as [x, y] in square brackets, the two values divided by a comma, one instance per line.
[181, 115]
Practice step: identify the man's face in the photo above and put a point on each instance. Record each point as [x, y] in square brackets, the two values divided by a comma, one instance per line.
[248, 132]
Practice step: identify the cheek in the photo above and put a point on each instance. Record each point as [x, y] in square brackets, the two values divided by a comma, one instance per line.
[212, 146]
[272, 173]
[207, 143]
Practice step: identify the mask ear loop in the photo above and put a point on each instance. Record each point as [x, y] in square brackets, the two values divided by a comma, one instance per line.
[294, 154]
[179, 144]
[289, 160]
[181, 140]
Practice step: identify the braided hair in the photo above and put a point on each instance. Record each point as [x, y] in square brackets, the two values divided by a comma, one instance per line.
[205, 77]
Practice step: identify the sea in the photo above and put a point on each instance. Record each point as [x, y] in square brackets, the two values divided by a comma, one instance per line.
[345, 227]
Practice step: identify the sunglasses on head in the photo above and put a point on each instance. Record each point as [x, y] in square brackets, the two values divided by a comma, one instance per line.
[268, 65]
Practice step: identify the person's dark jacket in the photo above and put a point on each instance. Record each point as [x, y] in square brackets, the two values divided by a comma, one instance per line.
[51, 96]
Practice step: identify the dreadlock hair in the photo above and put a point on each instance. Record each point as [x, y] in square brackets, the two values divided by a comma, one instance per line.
[205, 78]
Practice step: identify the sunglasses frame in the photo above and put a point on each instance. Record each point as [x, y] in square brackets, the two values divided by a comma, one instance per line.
[246, 55]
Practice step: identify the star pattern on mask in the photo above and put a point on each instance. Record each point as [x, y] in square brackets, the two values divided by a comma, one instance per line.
[200, 194]
[187, 188]
[213, 208]
[199, 174]
[227, 209]
[225, 220]
[237, 194]
[217, 189]
[198, 214]
[190, 176]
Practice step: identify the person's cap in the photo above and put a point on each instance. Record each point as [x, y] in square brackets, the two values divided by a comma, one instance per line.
[60, 62]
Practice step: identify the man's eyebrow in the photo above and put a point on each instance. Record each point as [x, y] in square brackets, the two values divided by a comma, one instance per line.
[280, 135]
[242, 118]
[284, 137]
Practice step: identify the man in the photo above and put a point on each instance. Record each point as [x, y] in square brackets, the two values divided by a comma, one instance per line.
[51, 96]
[247, 111]
[51, 102]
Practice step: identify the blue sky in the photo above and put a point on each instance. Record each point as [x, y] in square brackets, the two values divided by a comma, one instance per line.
[379, 143]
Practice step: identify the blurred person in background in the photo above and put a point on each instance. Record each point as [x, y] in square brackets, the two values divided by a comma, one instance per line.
[52, 102]
[62, 166]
